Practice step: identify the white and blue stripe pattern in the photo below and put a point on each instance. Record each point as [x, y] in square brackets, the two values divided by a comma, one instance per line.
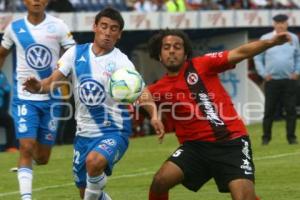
[106, 114]
[26, 40]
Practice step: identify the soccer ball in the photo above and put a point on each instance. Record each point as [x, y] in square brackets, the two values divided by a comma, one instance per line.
[125, 85]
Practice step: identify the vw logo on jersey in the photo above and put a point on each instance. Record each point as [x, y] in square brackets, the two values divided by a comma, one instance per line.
[91, 92]
[38, 56]
[192, 78]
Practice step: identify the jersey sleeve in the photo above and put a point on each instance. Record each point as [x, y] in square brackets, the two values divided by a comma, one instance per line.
[153, 89]
[67, 40]
[214, 63]
[127, 62]
[7, 41]
[66, 62]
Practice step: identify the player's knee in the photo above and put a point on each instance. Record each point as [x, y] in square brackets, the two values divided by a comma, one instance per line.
[26, 147]
[95, 163]
[159, 183]
[244, 193]
[41, 161]
[245, 196]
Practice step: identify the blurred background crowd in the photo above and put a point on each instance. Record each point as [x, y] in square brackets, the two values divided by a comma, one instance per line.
[154, 5]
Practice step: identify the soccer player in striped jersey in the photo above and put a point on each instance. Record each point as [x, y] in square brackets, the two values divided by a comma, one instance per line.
[38, 38]
[103, 125]
[214, 140]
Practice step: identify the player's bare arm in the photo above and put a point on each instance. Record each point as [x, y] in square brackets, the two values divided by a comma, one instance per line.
[3, 54]
[44, 86]
[253, 48]
[148, 104]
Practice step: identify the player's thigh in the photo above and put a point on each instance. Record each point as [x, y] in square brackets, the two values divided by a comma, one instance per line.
[112, 148]
[49, 123]
[242, 189]
[26, 119]
[232, 161]
[193, 164]
[81, 151]
[168, 175]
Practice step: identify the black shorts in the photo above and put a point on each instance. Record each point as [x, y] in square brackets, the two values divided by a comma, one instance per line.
[226, 161]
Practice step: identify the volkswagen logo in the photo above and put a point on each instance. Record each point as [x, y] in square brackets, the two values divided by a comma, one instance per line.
[91, 93]
[38, 56]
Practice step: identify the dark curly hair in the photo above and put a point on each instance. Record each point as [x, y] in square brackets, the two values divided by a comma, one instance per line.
[155, 43]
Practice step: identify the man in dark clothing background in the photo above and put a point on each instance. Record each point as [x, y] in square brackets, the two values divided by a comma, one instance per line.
[6, 120]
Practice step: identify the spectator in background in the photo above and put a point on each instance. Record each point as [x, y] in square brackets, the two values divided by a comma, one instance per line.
[2, 5]
[7, 5]
[175, 5]
[6, 120]
[145, 6]
[285, 4]
[194, 4]
[260, 3]
[242, 4]
[280, 68]
[160, 5]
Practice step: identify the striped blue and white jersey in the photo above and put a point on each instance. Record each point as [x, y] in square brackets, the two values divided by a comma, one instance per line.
[97, 114]
[38, 50]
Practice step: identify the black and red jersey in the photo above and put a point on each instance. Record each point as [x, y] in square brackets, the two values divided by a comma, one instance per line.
[198, 104]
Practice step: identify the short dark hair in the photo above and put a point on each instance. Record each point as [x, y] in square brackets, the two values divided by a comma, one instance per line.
[112, 14]
[155, 43]
[280, 18]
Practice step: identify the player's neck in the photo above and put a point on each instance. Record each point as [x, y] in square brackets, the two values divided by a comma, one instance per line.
[36, 18]
[170, 73]
[100, 51]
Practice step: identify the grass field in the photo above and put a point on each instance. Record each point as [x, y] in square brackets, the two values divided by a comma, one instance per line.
[277, 171]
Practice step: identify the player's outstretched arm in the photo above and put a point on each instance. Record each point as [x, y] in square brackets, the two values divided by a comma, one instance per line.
[253, 48]
[146, 101]
[44, 86]
[3, 54]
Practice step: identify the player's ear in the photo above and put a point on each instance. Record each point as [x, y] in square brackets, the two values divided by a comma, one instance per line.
[120, 35]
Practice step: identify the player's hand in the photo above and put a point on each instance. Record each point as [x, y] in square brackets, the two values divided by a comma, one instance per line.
[294, 76]
[159, 128]
[281, 38]
[32, 85]
[268, 77]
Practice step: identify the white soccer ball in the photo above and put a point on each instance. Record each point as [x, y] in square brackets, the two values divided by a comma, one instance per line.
[125, 85]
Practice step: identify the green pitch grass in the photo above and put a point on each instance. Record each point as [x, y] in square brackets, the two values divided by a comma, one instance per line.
[277, 171]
